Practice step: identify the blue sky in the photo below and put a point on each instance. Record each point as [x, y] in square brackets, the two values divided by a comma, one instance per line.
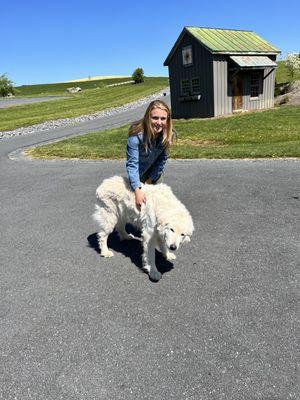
[54, 41]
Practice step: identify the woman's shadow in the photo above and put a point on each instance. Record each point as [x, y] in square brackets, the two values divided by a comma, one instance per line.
[132, 249]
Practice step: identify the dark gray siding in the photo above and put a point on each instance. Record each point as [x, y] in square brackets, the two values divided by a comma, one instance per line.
[222, 96]
[215, 74]
[202, 68]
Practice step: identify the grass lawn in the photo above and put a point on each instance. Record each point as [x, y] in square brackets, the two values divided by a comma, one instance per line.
[59, 89]
[86, 102]
[270, 133]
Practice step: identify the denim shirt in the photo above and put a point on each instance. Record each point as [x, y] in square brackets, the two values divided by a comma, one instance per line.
[139, 160]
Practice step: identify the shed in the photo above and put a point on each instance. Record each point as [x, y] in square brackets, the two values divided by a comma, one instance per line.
[215, 72]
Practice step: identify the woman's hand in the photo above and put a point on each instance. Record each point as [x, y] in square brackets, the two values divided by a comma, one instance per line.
[140, 198]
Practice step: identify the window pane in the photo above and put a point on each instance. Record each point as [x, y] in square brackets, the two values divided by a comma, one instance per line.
[254, 85]
[185, 86]
[187, 55]
[196, 85]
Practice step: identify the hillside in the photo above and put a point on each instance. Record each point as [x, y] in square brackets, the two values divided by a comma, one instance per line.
[98, 78]
[91, 99]
[59, 88]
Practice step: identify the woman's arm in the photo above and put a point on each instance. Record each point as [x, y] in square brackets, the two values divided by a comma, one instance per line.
[132, 162]
[132, 167]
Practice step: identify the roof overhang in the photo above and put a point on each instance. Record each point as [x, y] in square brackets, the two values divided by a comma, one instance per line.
[253, 62]
[185, 31]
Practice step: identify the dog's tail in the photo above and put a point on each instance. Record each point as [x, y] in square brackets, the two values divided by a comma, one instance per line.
[97, 215]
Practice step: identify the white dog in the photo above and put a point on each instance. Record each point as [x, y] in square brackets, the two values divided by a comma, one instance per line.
[164, 221]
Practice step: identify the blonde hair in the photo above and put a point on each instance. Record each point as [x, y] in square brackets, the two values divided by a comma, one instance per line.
[144, 125]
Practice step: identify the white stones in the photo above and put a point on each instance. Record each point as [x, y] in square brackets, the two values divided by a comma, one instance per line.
[73, 89]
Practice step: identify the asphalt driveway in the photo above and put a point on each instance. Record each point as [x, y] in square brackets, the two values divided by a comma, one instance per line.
[19, 101]
[221, 324]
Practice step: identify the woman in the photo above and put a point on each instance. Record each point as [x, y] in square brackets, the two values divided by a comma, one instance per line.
[147, 148]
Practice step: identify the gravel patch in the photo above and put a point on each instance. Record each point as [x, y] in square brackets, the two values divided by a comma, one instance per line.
[55, 124]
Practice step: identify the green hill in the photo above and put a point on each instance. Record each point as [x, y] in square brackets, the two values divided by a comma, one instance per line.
[90, 100]
[60, 88]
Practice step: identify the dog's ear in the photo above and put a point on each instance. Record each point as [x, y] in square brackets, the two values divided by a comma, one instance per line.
[161, 227]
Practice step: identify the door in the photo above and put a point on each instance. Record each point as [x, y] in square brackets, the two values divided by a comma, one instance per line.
[237, 93]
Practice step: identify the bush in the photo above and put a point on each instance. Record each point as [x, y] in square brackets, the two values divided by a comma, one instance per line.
[282, 88]
[6, 85]
[138, 75]
[292, 63]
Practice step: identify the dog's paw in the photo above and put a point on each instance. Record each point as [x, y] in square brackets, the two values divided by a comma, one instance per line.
[132, 237]
[129, 236]
[170, 256]
[107, 253]
[154, 275]
[146, 268]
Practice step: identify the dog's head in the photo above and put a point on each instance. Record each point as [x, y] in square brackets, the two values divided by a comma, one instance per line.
[173, 235]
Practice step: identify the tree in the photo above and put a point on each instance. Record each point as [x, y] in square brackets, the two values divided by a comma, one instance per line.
[6, 85]
[292, 63]
[138, 75]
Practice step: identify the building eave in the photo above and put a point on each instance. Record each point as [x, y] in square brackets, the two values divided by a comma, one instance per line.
[220, 52]
[250, 53]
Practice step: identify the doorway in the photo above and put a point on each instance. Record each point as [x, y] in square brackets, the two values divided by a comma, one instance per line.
[237, 93]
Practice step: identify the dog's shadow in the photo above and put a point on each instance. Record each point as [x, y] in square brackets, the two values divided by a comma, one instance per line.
[130, 248]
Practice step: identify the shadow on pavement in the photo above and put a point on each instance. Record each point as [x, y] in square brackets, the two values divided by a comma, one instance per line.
[130, 248]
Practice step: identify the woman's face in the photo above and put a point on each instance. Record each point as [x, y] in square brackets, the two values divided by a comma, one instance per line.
[158, 120]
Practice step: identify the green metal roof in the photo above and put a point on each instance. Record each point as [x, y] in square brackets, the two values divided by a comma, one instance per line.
[231, 41]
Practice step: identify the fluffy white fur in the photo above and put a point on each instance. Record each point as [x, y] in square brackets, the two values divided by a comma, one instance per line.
[164, 221]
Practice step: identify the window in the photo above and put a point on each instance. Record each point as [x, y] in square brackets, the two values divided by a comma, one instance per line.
[254, 84]
[196, 85]
[190, 86]
[187, 56]
[185, 87]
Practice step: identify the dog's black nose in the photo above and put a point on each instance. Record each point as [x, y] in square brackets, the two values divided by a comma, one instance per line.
[173, 247]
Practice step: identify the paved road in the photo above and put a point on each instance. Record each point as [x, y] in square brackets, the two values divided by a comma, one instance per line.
[221, 324]
[19, 101]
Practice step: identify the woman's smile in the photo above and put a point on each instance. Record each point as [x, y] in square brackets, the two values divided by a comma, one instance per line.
[158, 120]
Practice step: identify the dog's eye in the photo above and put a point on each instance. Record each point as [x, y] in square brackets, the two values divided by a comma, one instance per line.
[182, 234]
[171, 229]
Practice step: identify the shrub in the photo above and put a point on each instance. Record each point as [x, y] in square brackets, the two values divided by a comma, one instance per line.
[292, 63]
[6, 85]
[282, 88]
[138, 75]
